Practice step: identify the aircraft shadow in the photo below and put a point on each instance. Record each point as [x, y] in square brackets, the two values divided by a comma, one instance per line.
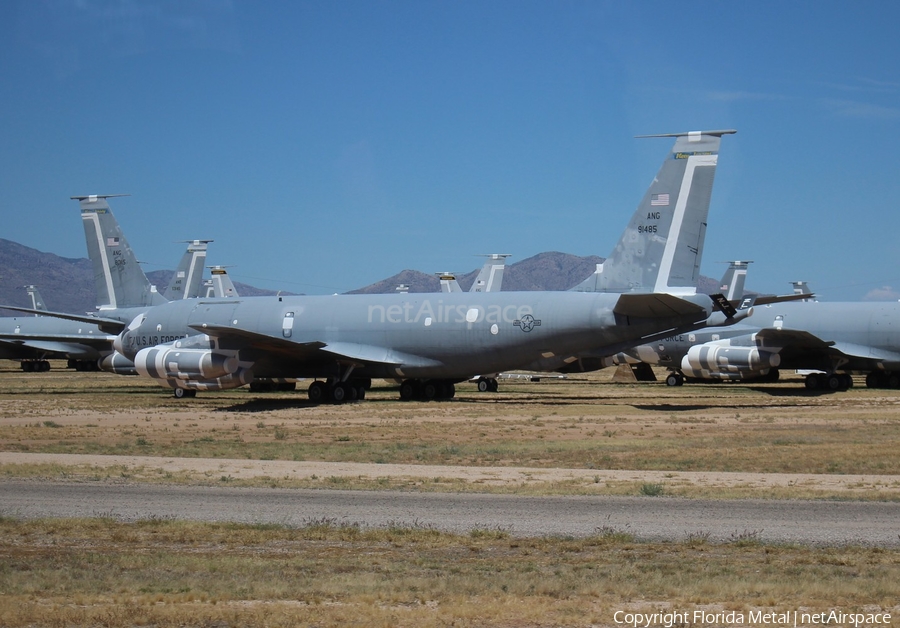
[792, 392]
[267, 405]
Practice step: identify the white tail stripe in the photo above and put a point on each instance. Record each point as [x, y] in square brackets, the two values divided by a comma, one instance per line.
[668, 257]
[107, 275]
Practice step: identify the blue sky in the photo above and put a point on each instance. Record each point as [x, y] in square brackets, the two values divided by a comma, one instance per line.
[327, 145]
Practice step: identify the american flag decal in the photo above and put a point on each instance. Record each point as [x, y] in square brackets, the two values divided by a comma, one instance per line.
[112, 241]
[659, 200]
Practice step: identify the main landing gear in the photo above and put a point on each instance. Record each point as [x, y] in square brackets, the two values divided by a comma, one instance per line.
[428, 390]
[828, 381]
[487, 384]
[337, 392]
[35, 366]
[883, 379]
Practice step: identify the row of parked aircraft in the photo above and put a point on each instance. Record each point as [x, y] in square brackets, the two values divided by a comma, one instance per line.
[640, 306]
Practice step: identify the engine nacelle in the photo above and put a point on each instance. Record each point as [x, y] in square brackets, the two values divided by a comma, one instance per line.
[117, 363]
[237, 379]
[725, 362]
[180, 363]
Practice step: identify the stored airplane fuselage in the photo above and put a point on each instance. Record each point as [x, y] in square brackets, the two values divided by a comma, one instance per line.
[816, 335]
[448, 336]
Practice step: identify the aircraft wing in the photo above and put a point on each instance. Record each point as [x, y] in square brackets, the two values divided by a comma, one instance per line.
[108, 325]
[236, 338]
[69, 349]
[655, 305]
[798, 342]
[266, 345]
[794, 338]
[375, 355]
[58, 342]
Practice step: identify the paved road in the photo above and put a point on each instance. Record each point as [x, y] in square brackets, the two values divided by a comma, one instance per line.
[805, 522]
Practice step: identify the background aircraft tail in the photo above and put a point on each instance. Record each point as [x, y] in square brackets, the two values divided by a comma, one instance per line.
[448, 282]
[661, 249]
[37, 301]
[118, 279]
[220, 284]
[188, 277]
[732, 284]
[490, 278]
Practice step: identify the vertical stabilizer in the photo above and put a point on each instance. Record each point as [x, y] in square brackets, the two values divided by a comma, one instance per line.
[732, 284]
[37, 301]
[801, 287]
[662, 246]
[188, 277]
[490, 279]
[118, 279]
[448, 282]
[222, 285]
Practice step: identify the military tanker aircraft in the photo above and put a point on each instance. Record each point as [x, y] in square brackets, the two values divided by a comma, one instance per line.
[833, 339]
[433, 341]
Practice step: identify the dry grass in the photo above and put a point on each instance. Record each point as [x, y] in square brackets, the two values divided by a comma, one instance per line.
[583, 423]
[170, 573]
[167, 573]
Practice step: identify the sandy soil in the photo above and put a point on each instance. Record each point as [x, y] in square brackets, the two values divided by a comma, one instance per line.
[496, 476]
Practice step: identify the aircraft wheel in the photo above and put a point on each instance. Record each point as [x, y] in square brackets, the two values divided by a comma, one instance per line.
[833, 382]
[846, 381]
[28, 367]
[483, 385]
[430, 390]
[893, 380]
[360, 393]
[875, 379]
[316, 392]
[408, 390]
[338, 393]
[493, 386]
[674, 379]
[352, 392]
[184, 393]
[812, 381]
[451, 391]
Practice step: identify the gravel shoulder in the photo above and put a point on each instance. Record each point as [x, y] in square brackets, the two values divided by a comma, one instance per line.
[488, 476]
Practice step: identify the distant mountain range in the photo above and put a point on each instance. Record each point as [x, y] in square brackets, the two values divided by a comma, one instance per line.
[67, 285]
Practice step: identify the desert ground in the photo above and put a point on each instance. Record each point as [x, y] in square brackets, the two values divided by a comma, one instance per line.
[582, 435]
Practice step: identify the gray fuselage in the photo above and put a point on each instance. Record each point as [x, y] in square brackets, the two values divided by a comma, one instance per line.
[447, 336]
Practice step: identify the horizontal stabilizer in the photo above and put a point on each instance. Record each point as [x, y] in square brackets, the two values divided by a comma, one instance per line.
[723, 305]
[654, 305]
[769, 300]
[719, 133]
